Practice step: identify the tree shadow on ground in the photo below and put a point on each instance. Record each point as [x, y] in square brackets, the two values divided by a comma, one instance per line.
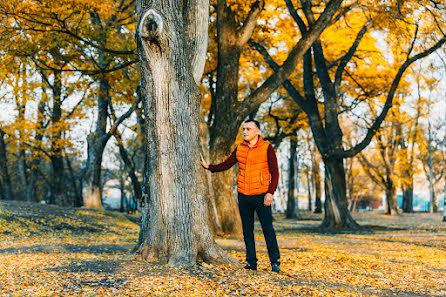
[317, 230]
[71, 248]
[95, 266]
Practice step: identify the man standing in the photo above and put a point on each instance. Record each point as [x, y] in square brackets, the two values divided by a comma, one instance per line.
[256, 182]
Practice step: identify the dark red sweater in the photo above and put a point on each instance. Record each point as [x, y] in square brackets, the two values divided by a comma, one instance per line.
[272, 164]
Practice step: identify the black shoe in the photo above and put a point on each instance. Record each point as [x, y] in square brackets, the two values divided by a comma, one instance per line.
[275, 267]
[250, 266]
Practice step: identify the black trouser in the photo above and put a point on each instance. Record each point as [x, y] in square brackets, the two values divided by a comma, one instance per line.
[247, 205]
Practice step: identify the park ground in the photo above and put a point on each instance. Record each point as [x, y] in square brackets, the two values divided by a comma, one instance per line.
[51, 251]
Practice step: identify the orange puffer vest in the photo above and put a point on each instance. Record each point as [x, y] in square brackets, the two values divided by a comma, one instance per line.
[253, 177]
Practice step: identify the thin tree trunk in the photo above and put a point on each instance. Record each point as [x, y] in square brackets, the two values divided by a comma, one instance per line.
[96, 144]
[444, 201]
[391, 207]
[310, 188]
[281, 191]
[5, 178]
[122, 191]
[292, 210]
[57, 167]
[21, 160]
[129, 166]
[77, 189]
[174, 224]
[432, 204]
[316, 174]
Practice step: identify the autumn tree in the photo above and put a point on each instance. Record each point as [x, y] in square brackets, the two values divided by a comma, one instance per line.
[342, 80]
[93, 39]
[172, 38]
[235, 22]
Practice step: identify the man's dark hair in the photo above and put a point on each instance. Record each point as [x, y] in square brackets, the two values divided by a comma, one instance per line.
[254, 121]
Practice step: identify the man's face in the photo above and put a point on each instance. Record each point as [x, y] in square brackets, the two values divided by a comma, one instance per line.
[250, 131]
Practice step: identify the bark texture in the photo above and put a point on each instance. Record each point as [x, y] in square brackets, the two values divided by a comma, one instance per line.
[174, 224]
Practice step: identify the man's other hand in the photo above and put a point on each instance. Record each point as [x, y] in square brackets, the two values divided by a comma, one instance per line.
[268, 199]
[203, 162]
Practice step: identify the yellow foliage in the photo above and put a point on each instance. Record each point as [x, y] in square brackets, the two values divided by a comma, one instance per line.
[46, 250]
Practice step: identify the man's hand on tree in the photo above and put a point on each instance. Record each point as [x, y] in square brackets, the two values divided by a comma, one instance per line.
[268, 199]
[203, 162]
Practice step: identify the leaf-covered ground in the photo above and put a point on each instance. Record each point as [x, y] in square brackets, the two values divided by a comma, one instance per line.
[51, 251]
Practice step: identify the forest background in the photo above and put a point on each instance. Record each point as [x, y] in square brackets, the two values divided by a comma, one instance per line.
[369, 93]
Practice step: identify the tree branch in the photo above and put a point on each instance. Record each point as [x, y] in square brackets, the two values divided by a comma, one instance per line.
[389, 100]
[276, 79]
[347, 57]
[245, 32]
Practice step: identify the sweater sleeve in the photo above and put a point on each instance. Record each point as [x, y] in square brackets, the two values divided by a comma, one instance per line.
[226, 164]
[273, 169]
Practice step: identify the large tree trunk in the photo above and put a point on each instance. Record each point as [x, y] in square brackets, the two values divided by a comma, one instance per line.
[336, 206]
[223, 185]
[391, 206]
[222, 135]
[172, 49]
[292, 210]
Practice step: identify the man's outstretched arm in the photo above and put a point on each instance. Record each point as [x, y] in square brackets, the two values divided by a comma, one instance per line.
[228, 163]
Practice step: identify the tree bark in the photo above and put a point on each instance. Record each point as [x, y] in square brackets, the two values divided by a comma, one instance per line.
[407, 188]
[78, 202]
[432, 204]
[5, 177]
[336, 205]
[391, 206]
[174, 224]
[57, 164]
[444, 200]
[292, 210]
[316, 174]
[91, 192]
[97, 140]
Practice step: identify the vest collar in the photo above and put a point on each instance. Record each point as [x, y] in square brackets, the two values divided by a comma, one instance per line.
[259, 141]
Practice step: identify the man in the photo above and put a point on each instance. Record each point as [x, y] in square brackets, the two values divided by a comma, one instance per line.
[256, 182]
